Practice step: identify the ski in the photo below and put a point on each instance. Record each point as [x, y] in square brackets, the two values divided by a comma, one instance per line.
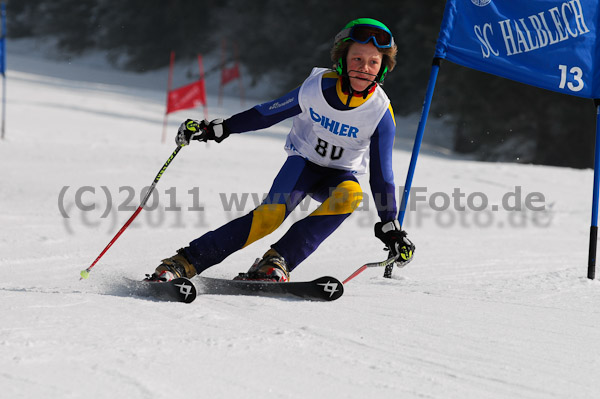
[177, 290]
[322, 289]
[185, 290]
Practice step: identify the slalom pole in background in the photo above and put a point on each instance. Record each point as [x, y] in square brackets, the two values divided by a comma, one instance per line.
[229, 74]
[223, 44]
[185, 97]
[3, 65]
[237, 66]
[595, 198]
[169, 88]
[86, 273]
[201, 68]
[416, 148]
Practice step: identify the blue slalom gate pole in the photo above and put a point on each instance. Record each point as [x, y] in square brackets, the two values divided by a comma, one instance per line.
[3, 65]
[594, 226]
[3, 104]
[416, 147]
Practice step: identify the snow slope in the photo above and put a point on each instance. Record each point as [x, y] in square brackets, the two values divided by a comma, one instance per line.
[495, 304]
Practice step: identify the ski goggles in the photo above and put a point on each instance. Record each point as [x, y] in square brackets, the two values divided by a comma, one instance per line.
[364, 33]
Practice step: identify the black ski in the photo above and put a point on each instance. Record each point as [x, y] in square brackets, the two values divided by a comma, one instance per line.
[178, 290]
[321, 289]
[184, 290]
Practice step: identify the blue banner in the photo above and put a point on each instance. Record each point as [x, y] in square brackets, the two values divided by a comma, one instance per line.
[551, 44]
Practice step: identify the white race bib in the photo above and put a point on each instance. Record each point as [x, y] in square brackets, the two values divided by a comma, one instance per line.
[330, 137]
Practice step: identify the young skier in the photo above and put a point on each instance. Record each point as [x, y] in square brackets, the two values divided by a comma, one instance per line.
[343, 123]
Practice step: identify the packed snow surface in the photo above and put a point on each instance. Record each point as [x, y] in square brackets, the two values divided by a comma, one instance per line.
[496, 303]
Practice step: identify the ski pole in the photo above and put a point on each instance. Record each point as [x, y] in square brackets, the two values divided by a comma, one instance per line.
[86, 273]
[385, 263]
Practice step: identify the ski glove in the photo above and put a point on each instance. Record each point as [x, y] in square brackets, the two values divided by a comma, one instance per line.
[203, 131]
[191, 130]
[396, 241]
[216, 130]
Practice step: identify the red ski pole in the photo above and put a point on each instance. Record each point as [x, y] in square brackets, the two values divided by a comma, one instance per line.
[385, 263]
[86, 273]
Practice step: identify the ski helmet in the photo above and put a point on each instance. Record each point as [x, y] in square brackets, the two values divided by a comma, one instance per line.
[365, 30]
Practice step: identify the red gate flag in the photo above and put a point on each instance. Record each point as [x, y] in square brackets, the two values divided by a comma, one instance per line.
[229, 74]
[189, 96]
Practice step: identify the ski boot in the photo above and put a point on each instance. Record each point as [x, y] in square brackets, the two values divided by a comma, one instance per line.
[272, 267]
[171, 268]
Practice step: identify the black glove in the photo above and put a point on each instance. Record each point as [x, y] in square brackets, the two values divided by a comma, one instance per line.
[396, 241]
[217, 130]
[203, 131]
[191, 130]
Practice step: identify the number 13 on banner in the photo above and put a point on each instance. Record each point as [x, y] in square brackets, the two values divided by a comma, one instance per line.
[575, 73]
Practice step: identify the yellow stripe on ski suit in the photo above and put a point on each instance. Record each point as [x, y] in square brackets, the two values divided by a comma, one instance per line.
[265, 219]
[346, 197]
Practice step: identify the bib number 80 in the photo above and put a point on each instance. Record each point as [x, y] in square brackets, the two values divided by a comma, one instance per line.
[323, 150]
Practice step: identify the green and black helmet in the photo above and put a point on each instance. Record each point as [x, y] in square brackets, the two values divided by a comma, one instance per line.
[365, 30]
